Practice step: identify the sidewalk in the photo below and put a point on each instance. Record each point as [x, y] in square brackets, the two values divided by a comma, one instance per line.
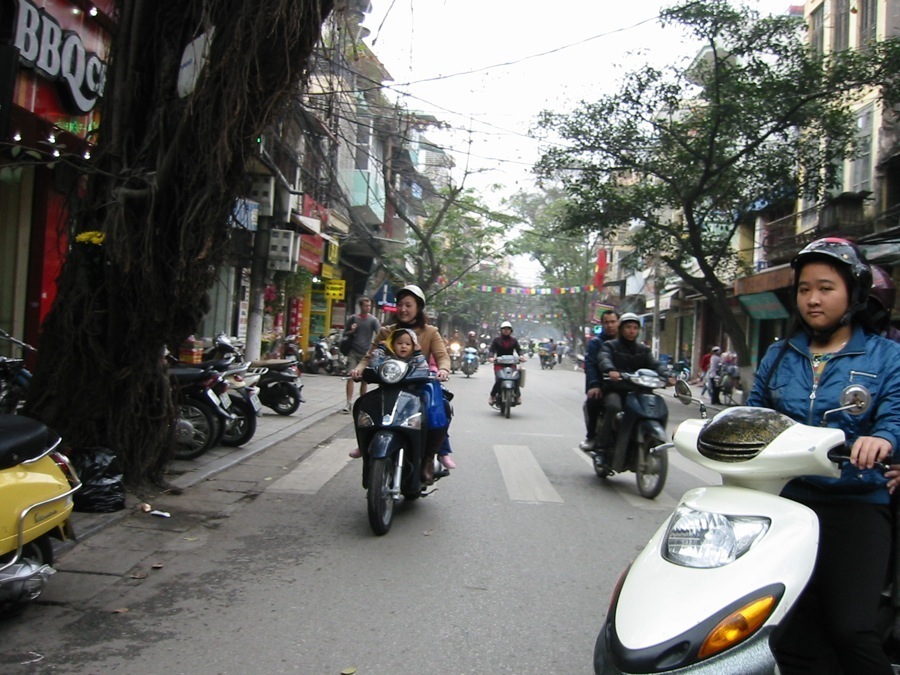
[323, 395]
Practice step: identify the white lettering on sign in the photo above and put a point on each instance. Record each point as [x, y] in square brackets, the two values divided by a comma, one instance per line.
[60, 55]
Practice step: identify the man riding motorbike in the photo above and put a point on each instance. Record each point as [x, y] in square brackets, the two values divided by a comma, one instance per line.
[622, 354]
[593, 402]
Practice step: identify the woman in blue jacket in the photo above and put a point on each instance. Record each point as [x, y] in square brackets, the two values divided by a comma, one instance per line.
[835, 619]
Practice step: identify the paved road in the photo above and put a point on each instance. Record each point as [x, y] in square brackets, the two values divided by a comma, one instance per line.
[267, 563]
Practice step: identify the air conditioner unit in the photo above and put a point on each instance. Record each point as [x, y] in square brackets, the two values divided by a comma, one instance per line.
[262, 191]
[283, 250]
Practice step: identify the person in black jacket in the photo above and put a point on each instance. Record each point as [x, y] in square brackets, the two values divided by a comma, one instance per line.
[593, 402]
[622, 355]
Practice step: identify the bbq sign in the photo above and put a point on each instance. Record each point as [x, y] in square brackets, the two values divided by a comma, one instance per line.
[60, 56]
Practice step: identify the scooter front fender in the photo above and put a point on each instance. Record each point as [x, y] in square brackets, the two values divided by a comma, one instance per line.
[384, 444]
[662, 604]
[651, 429]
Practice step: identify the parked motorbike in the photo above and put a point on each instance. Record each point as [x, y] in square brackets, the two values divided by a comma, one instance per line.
[640, 434]
[392, 422]
[36, 487]
[511, 379]
[721, 574]
[455, 351]
[279, 386]
[681, 370]
[320, 357]
[15, 378]
[201, 396]
[245, 406]
[339, 361]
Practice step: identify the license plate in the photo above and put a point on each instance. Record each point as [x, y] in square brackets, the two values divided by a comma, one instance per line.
[254, 400]
[225, 399]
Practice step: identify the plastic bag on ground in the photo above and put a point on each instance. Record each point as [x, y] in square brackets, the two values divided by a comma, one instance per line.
[102, 487]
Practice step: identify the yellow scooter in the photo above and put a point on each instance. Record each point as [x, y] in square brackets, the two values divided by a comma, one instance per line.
[36, 486]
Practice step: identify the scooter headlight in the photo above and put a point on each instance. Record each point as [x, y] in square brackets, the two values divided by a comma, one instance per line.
[392, 371]
[701, 539]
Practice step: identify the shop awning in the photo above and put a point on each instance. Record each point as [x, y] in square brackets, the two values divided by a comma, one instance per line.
[763, 306]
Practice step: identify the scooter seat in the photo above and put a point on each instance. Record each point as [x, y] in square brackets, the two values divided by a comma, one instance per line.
[21, 439]
[187, 375]
[273, 363]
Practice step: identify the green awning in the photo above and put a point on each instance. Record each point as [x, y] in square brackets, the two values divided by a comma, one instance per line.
[764, 306]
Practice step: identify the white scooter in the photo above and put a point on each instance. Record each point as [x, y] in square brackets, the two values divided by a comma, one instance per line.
[723, 571]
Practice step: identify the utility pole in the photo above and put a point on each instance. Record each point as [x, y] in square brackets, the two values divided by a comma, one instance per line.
[656, 294]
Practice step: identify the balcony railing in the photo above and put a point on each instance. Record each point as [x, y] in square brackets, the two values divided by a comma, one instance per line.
[844, 217]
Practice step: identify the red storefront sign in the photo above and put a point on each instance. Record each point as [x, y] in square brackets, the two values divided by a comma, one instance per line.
[62, 54]
[312, 250]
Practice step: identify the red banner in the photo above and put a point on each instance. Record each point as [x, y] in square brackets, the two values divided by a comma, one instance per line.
[600, 269]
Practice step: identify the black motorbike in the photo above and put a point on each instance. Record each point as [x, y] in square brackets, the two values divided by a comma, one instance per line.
[279, 379]
[201, 397]
[15, 378]
[245, 407]
[640, 434]
[392, 423]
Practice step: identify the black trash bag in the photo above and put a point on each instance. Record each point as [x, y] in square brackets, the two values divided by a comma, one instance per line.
[102, 489]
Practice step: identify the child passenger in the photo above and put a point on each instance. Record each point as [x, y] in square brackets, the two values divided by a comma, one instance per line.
[400, 344]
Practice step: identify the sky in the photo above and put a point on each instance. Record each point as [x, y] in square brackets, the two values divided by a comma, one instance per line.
[489, 67]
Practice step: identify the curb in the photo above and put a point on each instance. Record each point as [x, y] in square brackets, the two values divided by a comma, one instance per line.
[87, 524]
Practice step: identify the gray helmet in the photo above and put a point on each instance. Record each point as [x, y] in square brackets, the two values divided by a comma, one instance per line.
[629, 316]
[506, 324]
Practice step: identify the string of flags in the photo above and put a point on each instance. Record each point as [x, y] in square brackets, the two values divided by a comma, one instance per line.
[520, 290]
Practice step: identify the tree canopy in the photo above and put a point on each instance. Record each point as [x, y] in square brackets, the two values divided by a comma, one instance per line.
[690, 151]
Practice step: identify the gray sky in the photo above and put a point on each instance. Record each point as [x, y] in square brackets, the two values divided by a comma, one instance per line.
[566, 51]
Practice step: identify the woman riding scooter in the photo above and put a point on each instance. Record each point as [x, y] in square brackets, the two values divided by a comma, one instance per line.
[834, 623]
[411, 314]
[504, 345]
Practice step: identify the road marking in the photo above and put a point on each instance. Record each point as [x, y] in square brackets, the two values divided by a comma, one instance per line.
[320, 467]
[628, 490]
[524, 478]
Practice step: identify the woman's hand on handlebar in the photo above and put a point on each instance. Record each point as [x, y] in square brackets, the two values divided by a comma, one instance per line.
[867, 450]
[355, 375]
[443, 375]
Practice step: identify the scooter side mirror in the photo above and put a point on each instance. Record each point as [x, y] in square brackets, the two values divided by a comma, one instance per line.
[683, 392]
[855, 399]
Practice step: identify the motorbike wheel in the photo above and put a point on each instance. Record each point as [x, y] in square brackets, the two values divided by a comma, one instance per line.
[651, 469]
[205, 430]
[39, 552]
[726, 392]
[506, 402]
[378, 497]
[241, 429]
[283, 398]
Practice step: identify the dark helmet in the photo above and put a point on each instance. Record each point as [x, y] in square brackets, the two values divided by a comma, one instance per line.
[883, 294]
[835, 249]
[881, 300]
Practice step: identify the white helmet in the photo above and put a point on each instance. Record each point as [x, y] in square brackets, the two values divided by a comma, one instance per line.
[415, 291]
[506, 324]
[629, 316]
